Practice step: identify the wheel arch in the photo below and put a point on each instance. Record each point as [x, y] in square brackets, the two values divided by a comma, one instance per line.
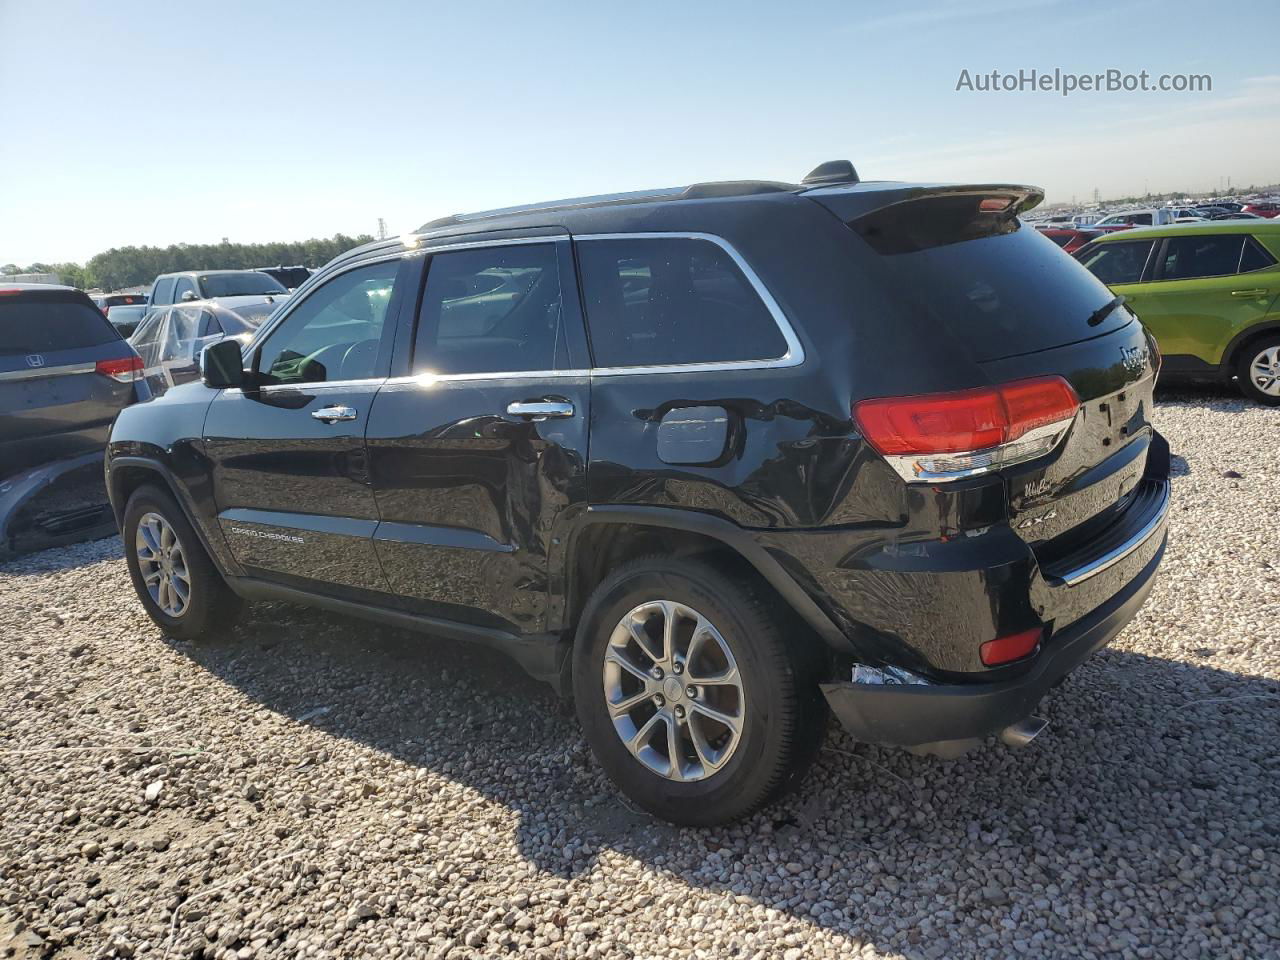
[1240, 342]
[603, 536]
[126, 473]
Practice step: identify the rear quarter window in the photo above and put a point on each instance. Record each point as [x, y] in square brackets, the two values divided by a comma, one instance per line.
[663, 301]
[47, 324]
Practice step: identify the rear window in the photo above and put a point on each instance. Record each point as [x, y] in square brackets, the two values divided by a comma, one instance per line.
[47, 324]
[245, 284]
[989, 280]
[659, 301]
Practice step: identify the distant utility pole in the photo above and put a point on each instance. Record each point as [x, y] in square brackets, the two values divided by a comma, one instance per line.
[382, 229]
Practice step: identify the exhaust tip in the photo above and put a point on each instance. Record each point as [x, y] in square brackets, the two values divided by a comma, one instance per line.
[1024, 731]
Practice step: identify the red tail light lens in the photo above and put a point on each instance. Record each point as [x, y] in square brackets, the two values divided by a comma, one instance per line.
[123, 369]
[1010, 648]
[922, 435]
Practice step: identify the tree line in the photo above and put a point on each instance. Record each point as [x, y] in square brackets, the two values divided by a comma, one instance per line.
[137, 266]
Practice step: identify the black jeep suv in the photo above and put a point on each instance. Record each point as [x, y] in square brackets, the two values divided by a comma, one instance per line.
[713, 459]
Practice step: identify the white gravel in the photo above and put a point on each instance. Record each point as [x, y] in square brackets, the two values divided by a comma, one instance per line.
[313, 786]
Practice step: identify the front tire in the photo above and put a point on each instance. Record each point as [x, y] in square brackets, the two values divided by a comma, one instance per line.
[695, 700]
[1258, 369]
[176, 581]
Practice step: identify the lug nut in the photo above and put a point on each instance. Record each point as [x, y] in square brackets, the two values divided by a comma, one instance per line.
[679, 667]
[659, 699]
[691, 692]
[656, 673]
[679, 711]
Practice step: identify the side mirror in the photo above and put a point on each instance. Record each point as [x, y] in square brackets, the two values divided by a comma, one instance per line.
[220, 364]
[188, 296]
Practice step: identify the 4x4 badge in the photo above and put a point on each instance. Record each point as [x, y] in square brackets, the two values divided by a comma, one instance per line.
[1036, 521]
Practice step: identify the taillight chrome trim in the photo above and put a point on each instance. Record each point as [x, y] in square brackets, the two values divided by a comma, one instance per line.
[920, 467]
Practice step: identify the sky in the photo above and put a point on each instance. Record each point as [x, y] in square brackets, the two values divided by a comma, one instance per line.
[134, 122]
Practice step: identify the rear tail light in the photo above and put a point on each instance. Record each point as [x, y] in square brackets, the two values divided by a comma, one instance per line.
[937, 437]
[122, 369]
[1013, 647]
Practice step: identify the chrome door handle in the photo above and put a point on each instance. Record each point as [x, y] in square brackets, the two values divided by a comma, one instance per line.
[1259, 292]
[332, 414]
[540, 409]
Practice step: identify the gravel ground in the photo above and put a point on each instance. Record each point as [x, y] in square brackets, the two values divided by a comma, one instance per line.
[313, 786]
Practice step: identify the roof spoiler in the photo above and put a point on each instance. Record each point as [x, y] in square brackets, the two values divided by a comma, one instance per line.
[851, 204]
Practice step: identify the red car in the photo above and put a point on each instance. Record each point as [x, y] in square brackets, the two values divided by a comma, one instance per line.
[1070, 239]
[1263, 208]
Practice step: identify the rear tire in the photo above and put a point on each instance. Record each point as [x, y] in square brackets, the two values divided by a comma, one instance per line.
[725, 686]
[176, 581]
[1258, 369]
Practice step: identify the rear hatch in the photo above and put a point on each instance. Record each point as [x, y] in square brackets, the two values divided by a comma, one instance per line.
[1004, 301]
[64, 375]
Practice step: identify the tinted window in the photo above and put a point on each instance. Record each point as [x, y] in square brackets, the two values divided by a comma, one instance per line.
[1061, 239]
[184, 285]
[1117, 262]
[1188, 257]
[1139, 218]
[335, 333]
[247, 283]
[163, 292]
[490, 310]
[672, 300]
[1254, 257]
[993, 284]
[46, 324]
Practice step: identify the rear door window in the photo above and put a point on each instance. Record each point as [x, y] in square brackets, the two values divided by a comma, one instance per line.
[46, 323]
[1120, 262]
[664, 301]
[1185, 258]
[492, 309]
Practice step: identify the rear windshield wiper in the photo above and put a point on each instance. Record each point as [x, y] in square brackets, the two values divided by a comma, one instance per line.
[1104, 311]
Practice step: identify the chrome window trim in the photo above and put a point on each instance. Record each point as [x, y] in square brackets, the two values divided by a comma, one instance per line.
[427, 379]
[420, 246]
[794, 355]
[417, 246]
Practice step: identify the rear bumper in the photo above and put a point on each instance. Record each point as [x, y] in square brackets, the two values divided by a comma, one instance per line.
[913, 715]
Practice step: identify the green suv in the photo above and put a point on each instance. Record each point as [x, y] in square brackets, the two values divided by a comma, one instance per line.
[1209, 294]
